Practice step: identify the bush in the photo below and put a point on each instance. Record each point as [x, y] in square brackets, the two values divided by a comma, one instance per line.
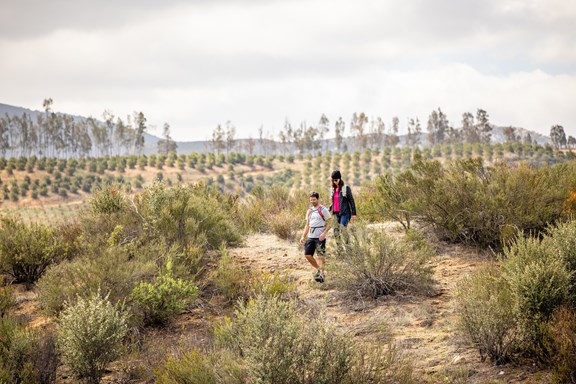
[24, 357]
[539, 283]
[508, 309]
[201, 367]
[165, 297]
[273, 285]
[487, 320]
[561, 240]
[378, 365]
[251, 215]
[192, 367]
[90, 337]
[280, 346]
[468, 202]
[113, 272]
[107, 200]
[230, 279]
[6, 300]
[188, 215]
[284, 224]
[377, 264]
[26, 251]
[562, 345]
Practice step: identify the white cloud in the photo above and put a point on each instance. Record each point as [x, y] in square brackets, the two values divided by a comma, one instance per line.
[200, 63]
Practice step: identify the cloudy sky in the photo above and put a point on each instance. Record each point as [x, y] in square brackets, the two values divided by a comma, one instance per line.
[199, 63]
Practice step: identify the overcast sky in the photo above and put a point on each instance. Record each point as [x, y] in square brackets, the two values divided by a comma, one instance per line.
[199, 63]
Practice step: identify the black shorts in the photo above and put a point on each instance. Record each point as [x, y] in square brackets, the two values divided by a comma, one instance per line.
[312, 244]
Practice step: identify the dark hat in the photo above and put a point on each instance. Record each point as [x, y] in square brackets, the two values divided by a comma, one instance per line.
[336, 175]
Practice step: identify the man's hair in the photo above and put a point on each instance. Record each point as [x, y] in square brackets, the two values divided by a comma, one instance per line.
[314, 194]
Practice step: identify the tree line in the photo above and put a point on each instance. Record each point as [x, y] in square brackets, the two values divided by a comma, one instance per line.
[51, 134]
[372, 132]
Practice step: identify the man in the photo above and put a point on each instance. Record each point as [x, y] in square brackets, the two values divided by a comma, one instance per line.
[315, 233]
[342, 206]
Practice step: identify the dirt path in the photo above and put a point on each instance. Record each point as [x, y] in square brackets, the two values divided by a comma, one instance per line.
[424, 326]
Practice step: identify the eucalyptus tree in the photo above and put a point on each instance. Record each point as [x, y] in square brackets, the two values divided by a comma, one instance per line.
[285, 136]
[140, 129]
[469, 131]
[558, 136]
[484, 129]
[166, 145]
[392, 138]
[357, 128]
[510, 134]
[411, 134]
[339, 128]
[4, 136]
[377, 132]
[98, 134]
[217, 141]
[230, 137]
[323, 128]
[571, 142]
[437, 127]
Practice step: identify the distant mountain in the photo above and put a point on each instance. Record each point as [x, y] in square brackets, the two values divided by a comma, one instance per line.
[151, 141]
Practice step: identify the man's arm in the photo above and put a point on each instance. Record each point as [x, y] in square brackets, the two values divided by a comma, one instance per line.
[306, 229]
[325, 231]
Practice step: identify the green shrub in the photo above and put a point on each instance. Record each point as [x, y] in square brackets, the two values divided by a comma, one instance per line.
[284, 224]
[26, 251]
[188, 215]
[192, 367]
[165, 297]
[6, 300]
[112, 272]
[19, 351]
[487, 318]
[377, 264]
[107, 200]
[562, 241]
[539, 282]
[281, 346]
[231, 280]
[266, 284]
[561, 331]
[379, 365]
[201, 367]
[252, 215]
[468, 202]
[388, 199]
[90, 336]
[512, 307]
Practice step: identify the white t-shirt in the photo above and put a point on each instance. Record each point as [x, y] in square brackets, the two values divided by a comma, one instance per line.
[317, 223]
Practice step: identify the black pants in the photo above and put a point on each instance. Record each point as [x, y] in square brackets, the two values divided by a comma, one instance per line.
[313, 244]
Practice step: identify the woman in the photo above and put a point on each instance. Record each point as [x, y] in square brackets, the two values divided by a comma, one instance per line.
[342, 207]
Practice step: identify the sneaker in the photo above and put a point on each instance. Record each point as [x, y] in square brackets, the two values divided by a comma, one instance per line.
[319, 277]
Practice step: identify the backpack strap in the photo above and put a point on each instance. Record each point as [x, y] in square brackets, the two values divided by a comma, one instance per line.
[319, 210]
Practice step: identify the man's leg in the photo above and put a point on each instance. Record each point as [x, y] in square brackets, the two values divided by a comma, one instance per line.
[321, 255]
[309, 249]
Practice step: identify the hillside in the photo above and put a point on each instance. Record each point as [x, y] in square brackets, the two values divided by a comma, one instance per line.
[421, 327]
